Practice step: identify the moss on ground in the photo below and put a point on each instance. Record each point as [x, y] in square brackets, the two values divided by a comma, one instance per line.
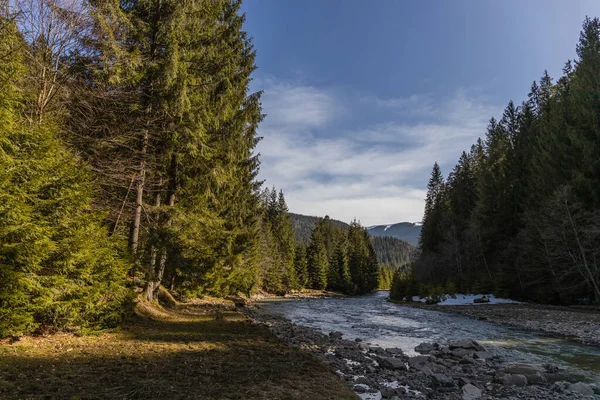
[195, 351]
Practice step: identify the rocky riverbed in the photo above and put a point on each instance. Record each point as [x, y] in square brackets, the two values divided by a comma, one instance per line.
[580, 325]
[460, 369]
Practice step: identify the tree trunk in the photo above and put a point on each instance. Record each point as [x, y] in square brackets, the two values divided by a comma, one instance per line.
[170, 203]
[137, 220]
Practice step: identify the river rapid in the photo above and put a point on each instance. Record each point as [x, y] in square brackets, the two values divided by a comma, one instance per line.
[373, 319]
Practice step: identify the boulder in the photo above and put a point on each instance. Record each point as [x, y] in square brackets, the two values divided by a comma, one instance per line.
[376, 349]
[471, 392]
[441, 381]
[581, 388]
[391, 363]
[426, 348]
[467, 344]
[418, 362]
[533, 373]
[480, 300]
[514, 380]
[394, 351]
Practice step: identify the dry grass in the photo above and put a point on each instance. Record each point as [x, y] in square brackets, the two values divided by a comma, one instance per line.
[194, 351]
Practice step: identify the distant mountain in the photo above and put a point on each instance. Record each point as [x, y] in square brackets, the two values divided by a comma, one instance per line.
[407, 231]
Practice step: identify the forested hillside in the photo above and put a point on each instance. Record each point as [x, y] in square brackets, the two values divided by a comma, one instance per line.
[519, 215]
[304, 225]
[389, 250]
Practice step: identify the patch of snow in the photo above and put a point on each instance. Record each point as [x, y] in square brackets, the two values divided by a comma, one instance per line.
[355, 377]
[386, 228]
[351, 362]
[330, 352]
[418, 223]
[467, 299]
[340, 373]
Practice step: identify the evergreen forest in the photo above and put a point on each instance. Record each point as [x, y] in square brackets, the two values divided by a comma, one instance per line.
[519, 214]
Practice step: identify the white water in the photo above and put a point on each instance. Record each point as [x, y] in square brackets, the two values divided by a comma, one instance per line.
[377, 321]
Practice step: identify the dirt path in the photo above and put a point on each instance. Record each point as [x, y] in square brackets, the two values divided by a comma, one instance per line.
[194, 352]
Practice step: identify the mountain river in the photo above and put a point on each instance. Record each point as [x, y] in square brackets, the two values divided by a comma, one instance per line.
[373, 319]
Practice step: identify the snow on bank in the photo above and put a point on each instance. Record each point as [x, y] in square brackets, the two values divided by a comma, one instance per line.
[468, 299]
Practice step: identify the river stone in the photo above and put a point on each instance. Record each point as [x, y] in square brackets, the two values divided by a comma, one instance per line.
[471, 392]
[581, 388]
[394, 351]
[426, 348]
[514, 380]
[376, 349]
[392, 363]
[419, 362]
[441, 380]
[467, 344]
[533, 373]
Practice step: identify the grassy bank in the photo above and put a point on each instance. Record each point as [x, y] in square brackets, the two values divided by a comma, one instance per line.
[202, 350]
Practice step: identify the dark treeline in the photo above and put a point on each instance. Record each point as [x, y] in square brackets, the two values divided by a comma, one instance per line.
[339, 259]
[391, 252]
[519, 215]
[127, 164]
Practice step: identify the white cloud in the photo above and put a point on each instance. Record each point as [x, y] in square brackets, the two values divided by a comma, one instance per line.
[375, 171]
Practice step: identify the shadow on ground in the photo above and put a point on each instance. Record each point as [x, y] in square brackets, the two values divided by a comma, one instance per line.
[188, 353]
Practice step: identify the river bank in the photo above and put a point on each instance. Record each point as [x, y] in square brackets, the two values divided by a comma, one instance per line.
[581, 325]
[200, 350]
[461, 370]
[458, 370]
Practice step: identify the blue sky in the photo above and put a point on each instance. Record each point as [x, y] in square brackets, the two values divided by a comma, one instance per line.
[362, 97]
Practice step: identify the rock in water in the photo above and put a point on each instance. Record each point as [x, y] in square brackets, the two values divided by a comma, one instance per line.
[470, 392]
[426, 348]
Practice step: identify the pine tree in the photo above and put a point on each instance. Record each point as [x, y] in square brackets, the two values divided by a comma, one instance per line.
[58, 268]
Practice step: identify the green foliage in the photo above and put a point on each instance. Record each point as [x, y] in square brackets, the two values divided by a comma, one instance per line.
[58, 267]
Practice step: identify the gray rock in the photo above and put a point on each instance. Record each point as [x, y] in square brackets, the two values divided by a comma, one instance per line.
[582, 388]
[426, 348]
[376, 350]
[533, 373]
[471, 392]
[419, 362]
[467, 344]
[514, 380]
[392, 363]
[441, 380]
[394, 351]
[467, 360]
[483, 299]
[358, 340]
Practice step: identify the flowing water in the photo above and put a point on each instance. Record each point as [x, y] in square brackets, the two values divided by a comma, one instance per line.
[377, 321]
